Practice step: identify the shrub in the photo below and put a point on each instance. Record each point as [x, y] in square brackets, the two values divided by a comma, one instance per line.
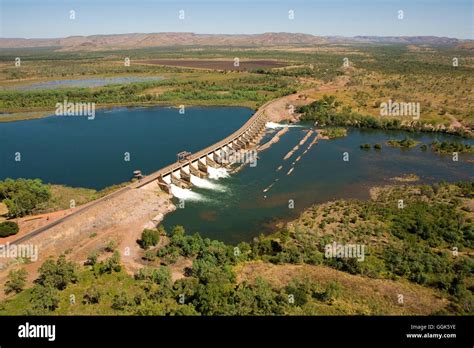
[8, 228]
[150, 255]
[45, 298]
[121, 301]
[16, 282]
[92, 295]
[21, 196]
[57, 274]
[111, 246]
[91, 259]
[110, 264]
[149, 238]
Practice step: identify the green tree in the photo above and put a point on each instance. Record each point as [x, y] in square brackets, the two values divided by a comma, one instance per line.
[110, 264]
[57, 274]
[21, 196]
[16, 281]
[8, 228]
[149, 238]
[44, 298]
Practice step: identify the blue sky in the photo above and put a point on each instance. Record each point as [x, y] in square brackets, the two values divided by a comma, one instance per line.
[50, 18]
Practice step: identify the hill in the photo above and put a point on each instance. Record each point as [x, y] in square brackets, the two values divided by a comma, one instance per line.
[141, 40]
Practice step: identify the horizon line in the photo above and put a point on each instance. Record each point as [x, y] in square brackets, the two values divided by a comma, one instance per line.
[240, 34]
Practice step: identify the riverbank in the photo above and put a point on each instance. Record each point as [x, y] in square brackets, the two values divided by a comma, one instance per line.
[89, 228]
[25, 116]
[296, 259]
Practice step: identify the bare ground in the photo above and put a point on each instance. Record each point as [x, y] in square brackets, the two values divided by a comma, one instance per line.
[121, 218]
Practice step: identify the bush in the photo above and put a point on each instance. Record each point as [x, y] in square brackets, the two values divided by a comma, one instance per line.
[45, 298]
[16, 282]
[121, 301]
[110, 264]
[92, 295]
[149, 238]
[57, 274]
[150, 255]
[111, 246]
[8, 228]
[161, 275]
[21, 196]
[91, 259]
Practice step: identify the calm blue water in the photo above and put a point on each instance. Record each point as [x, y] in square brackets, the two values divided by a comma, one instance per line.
[79, 152]
[96, 82]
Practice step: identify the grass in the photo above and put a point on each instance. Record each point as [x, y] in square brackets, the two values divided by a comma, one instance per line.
[61, 196]
[358, 296]
[109, 285]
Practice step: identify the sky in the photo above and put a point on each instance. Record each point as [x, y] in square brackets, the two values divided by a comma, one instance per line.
[51, 18]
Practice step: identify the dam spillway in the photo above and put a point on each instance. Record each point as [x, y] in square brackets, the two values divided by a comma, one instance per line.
[179, 173]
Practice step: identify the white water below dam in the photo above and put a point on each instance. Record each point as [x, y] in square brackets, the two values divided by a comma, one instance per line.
[274, 125]
[186, 194]
[217, 173]
[207, 184]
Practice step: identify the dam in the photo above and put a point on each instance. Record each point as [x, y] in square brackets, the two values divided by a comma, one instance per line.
[180, 173]
[197, 164]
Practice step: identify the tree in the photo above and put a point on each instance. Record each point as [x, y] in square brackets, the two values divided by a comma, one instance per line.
[57, 274]
[45, 298]
[160, 276]
[8, 228]
[110, 264]
[149, 238]
[21, 196]
[16, 281]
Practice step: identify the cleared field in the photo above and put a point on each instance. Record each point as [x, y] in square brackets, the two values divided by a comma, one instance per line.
[229, 65]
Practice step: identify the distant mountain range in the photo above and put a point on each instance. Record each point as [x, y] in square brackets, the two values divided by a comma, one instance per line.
[124, 41]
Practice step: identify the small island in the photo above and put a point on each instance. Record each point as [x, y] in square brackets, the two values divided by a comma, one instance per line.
[334, 132]
[406, 142]
[450, 147]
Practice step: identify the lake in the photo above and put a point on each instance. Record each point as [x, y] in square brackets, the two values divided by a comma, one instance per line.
[76, 151]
